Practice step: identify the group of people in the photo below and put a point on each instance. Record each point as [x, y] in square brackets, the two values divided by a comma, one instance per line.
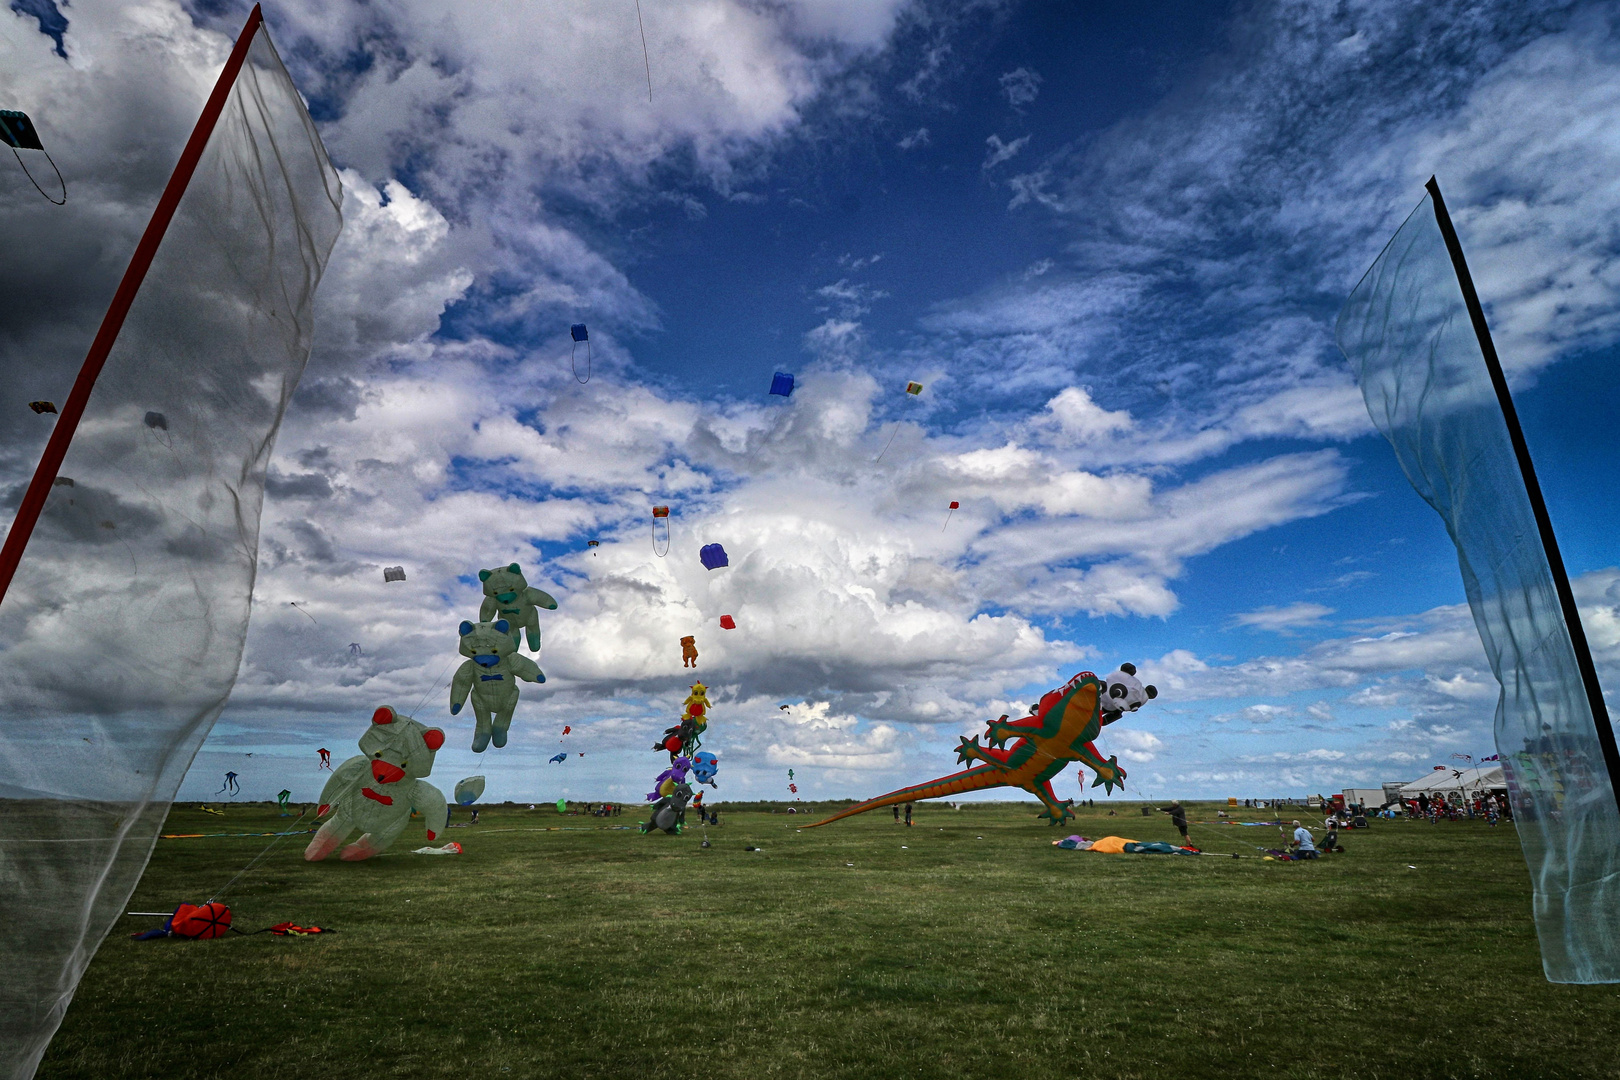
[1492, 806]
[897, 814]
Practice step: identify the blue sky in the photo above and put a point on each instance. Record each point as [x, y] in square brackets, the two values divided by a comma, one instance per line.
[1110, 240]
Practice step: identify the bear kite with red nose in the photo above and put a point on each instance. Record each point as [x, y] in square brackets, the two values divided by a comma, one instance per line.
[376, 790]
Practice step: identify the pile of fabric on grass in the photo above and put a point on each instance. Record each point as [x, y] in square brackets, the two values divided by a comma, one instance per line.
[1119, 845]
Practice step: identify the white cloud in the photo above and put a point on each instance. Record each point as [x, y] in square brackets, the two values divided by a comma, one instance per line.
[1287, 617]
[1021, 86]
[1002, 151]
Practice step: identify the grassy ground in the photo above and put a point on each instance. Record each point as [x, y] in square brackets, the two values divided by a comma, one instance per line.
[966, 946]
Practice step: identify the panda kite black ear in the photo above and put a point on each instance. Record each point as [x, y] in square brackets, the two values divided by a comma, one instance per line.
[1129, 669]
[1151, 690]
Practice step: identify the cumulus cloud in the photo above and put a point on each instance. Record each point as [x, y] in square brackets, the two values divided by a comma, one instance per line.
[1285, 618]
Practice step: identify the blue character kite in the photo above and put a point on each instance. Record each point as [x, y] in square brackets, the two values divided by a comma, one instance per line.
[560, 757]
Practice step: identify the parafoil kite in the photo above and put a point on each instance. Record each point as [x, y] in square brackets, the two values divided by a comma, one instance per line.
[727, 623]
[393, 573]
[490, 676]
[17, 132]
[376, 790]
[593, 545]
[562, 806]
[43, 406]
[782, 384]
[560, 757]
[579, 334]
[914, 388]
[193, 922]
[713, 557]
[660, 513]
[1059, 732]
[469, 790]
[508, 595]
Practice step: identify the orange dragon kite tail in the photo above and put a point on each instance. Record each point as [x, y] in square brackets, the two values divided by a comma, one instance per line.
[985, 776]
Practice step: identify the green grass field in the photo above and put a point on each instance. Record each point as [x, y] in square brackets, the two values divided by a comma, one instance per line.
[965, 946]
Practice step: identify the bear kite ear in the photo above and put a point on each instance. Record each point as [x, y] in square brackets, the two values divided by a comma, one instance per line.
[433, 737]
[383, 715]
[483, 575]
[503, 626]
[1129, 669]
[515, 568]
[466, 627]
[1151, 690]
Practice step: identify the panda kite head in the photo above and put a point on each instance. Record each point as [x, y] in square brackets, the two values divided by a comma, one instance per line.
[1125, 694]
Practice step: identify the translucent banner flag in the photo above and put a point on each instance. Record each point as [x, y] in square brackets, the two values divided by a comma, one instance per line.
[1414, 332]
[122, 629]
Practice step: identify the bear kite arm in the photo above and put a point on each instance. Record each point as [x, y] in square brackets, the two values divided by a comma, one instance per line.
[525, 669]
[428, 801]
[488, 609]
[541, 599]
[462, 685]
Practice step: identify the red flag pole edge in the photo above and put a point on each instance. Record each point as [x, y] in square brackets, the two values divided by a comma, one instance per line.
[33, 502]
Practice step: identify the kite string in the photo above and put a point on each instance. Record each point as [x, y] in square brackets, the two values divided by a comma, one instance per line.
[63, 182]
[432, 688]
[888, 444]
[645, 61]
[267, 849]
[660, 554]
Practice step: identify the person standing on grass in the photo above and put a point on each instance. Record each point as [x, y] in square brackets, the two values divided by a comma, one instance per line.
[897, 813]
[1178, 818]
[908, 815]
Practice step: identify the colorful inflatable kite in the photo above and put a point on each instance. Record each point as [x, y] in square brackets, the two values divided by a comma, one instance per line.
[713, 557]
[490, 676]
[669, 812]
[393, 573]
[727, 623]
[326, 758]
[507, 595]
[376, 790]
[1058, 732]
[660, 513]
[689, 653]
[705, 766]
[579, 334]
[782, 384]
[560, 757]
[469, 791]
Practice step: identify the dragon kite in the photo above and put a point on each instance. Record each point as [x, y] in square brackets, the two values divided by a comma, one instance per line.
[1058, 731]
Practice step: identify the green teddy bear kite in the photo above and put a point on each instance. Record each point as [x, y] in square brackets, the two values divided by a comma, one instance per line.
[508, 596]
[490, 675]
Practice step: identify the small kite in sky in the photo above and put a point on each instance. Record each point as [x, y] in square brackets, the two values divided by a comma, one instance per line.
[469, 790]
[560, 757]
[354, 649]
[43, 406]
[660, 512]
[727, 623]
[713, 557]
[782, 384]
[955, 506]
[567, 729]
[306, 614]
[913, 388]
[593, 544]
[17, 132]
[283, 797]
[393, 573]
[326, 757]
[230, 785]
[579, 334]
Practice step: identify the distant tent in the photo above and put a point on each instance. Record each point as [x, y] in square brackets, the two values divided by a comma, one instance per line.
[1462, 782]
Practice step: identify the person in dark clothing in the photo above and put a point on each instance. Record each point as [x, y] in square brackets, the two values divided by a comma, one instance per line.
[1178, 818]
[897, 813]
[908, 815]
[1423, 802]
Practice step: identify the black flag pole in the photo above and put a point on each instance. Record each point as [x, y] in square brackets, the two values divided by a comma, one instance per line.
[1538, 505]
